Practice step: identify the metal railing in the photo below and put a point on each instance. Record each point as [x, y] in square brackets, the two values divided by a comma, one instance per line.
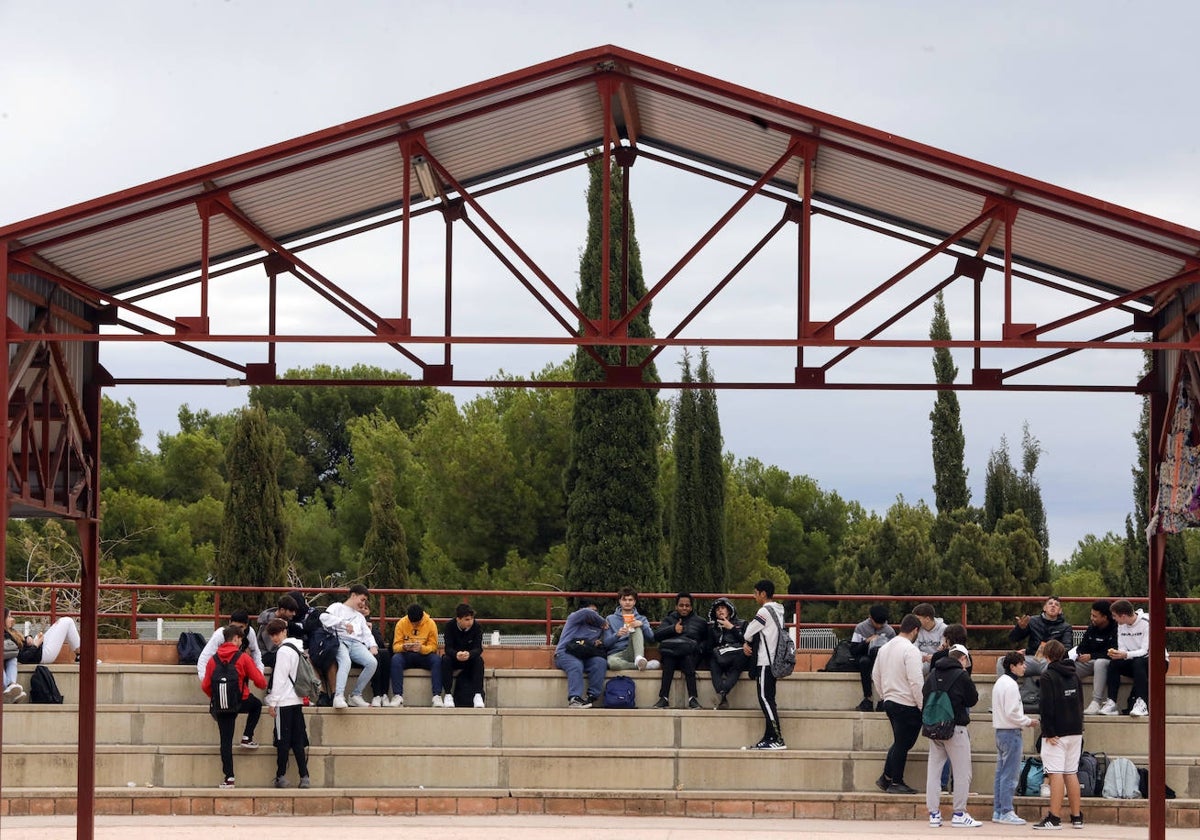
[553, 615]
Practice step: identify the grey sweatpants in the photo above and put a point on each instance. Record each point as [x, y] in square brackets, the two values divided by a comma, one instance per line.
[958, 751]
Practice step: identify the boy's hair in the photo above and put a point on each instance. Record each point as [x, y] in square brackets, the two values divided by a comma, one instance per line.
[767, 587]
[1054, 650]
[276, 625]
[359, 589]
[463, 610]
[231, 631]
[414, 614]
[925, 611]
[1122, 607]
[681, 595]
[287, 602]
[1012, 659]
[909, 623]
[584, 603]
[1103, 606]
[955, 634]
[626, 590]
[878, 613]
[241, 617]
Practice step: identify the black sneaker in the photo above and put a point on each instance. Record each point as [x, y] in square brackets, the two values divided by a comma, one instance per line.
[1077, 821]
[883, 783]
[1052, 823]
[865, 706]
[724, 702]
[764, 744]
[879, 706]
[775, 744]
[282, 782]
[693, 703]
[662, 703]
[578, 703]
[899, 788]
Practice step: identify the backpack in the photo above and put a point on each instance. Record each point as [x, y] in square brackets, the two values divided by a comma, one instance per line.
[1121, 780]
[1031, 695]
[1030, 781]
[323, 647]
[306, 684]
[1144, 784]
[226, 686]
[43, 688]
[937, 715]
[842, 660]
[619, 693]
[783, 662]
[190, 646]
[1092, 767]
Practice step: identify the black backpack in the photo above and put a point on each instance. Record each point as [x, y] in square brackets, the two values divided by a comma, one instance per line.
[842, 660]
[322, 642]
[226, 686]
[43, 688]
[190, 646]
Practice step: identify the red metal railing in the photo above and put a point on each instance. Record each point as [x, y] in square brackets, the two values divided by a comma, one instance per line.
[552, 600]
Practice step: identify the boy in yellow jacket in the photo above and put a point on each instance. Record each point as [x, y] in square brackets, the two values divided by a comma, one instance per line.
[415, 646]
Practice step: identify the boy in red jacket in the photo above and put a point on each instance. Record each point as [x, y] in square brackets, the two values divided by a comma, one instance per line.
[247, 673]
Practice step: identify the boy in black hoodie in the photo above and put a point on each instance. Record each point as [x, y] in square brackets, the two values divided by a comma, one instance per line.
[725, 640]
[1062, 734]
[1091, 657]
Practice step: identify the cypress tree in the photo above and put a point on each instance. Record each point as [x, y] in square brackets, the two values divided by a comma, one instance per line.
[614, 513]
[950, 491]
[253, 534]
[710, 481]
[687, 536]
[385, 548]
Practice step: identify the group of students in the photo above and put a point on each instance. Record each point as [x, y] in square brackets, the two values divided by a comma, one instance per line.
[288, 631]
[906, 674]
[590, 645]
[40, 649]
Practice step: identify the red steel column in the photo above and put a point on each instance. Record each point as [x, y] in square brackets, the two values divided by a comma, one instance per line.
[5, 445]
[89, 610]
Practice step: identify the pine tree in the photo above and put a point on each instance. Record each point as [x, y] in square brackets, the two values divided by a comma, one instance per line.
[614, 513]
[950, 491]
[253, 535]
[385, 549]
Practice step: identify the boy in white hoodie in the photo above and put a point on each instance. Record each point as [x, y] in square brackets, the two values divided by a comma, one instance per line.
[1008, 719]
[286, 706]
[1130, 658]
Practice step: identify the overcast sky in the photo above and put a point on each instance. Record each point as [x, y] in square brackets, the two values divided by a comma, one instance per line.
[98, 97]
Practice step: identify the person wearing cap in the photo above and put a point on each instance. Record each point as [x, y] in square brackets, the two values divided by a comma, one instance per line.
[1035, 631]
[948, 674]
[415, 645]
[868, 637]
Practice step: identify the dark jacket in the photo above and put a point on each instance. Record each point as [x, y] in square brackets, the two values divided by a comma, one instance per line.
[1061, 704]
[1041, 629]
[1096, 642]
[947, 675]
[470, 640]
[694, 628]
[718, 636]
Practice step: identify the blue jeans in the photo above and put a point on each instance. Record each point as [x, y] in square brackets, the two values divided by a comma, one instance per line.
[1008, 767]
[10, 671]
[352, 650]
[595, 666]
[431, 662]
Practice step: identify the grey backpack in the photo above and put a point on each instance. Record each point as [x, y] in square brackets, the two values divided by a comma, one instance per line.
[1121, 780]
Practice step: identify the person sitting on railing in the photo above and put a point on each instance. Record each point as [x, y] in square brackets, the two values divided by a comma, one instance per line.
[627, 633]
[1038, 630]
[462, 639]
[44, 648]
[681, 638]
[725, 640]
[13, 642]
[581, 648]
[286, 611]
[416, 646]
[869, 635]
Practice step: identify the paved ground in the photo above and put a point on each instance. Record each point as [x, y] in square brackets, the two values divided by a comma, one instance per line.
[522, 828]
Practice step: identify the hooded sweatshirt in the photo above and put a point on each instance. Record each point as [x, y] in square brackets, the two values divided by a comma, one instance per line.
[585, 623]
[930, 641]
[614, 642]
[1096, 641]
[1061, 700]
[765, 627]
[424, 631]
[948, 675]
[283, 675]
[718, 636]
[248, 672]
[1134, 638]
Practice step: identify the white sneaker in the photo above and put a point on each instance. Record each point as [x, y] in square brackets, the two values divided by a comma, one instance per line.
[339, 702]
[477, 702]
[397, 701]
[964, 820]
[357, 701]
[1110, 708]
[935, 819]
[1139, 708]
[1093, 708]
[437, 701]
[13, 692]
[376, 702]
[640, 662]
[653, 665]
[448, 702]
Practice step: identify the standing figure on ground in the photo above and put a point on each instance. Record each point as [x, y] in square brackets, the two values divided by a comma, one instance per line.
[627, 634]
[681, 638]
[239, 620]
[581, 648]
[248, 672]
[762, 635]
[949, 676]
[462, 662]
[1008, 719]
[1091, 658]
[285, 705]
[727, 659]
[872, 633]
[897, 678]
[355, 644]
[416, 646]
[1130, 658]
[1062, 734]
